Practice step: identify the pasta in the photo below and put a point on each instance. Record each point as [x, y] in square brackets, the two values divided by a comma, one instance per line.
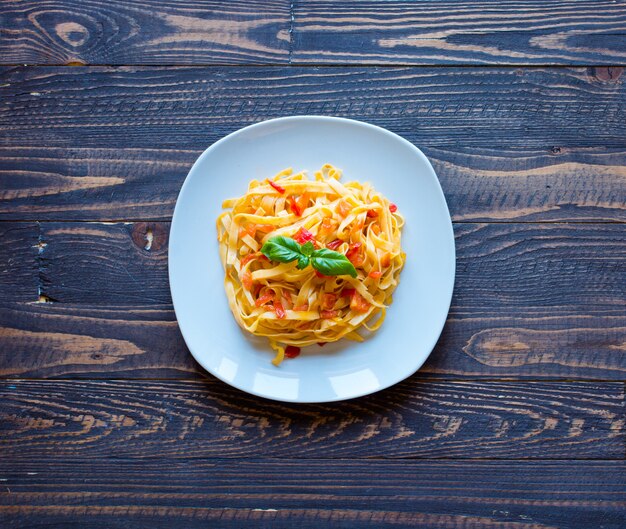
[290, 303]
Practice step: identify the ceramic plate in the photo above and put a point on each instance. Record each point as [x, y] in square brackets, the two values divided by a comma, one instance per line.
[337, 371]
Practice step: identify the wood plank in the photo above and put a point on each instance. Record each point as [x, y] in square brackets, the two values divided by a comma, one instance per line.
[158, 419]
[20, 248]
[530, 300]
[568, 268]
[81, 341]
[313, 493]
[452, 32]
[150, 32]
[532, 144]
[581, 184]
[84, 341]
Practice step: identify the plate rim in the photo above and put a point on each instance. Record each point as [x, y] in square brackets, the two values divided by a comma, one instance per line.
[450, 242]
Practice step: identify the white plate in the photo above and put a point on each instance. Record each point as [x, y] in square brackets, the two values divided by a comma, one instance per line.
[337, 371]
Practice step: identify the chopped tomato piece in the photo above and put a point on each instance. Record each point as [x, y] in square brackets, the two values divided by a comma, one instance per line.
[298, 206]
[278, 188]
[393, 208]
[303, 202]
[291, 351]
[372, 213]
[250, 257]
[348, 292]
[246, 280]
[294, 206]
[333, 245]
[354, 254]
[358, 303]
[301, 308]
[327, 226]
[375, 274]
[328, 300]
[249, 229]
[280, 311]
[328, 314]
[343, 208]
[385, 260]
[266, 295]
[303, 236]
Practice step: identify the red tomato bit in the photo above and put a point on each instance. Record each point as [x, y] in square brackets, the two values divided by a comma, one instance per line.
[358, 303]
[354, 254]
[393, 208]
[375, 274]
[303, 236]
[328, 300]
[278, 188]
[280, 311]
[333, 245]
[267, 295]
[291, 351]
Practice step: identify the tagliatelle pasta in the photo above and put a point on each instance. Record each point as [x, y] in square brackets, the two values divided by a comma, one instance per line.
[295, 307]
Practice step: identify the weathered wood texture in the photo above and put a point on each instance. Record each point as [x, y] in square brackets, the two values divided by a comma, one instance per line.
[312, 494]
[530, 301]
[147, 32]
[157, 419]
[305, 31]
[19, 262]
[453, 32]
[507, 144]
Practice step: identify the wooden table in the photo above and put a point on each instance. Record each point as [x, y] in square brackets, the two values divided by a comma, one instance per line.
[517, 419]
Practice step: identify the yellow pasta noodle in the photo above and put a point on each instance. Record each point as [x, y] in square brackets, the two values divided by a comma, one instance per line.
[300, 307]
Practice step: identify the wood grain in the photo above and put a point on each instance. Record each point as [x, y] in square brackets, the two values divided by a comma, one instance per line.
[452, 32]
[147, 32]
[561, 267]
[84, 341]
[313, 493]
[157, 419]
[530, 301]
[508, 144]
[20, 248]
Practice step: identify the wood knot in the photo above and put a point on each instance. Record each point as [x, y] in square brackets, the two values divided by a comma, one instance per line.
[149, 236]
[72, 33]
[608, 74]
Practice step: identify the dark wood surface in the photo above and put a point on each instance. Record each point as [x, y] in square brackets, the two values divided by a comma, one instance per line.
[289, 493]
[526, 303]
[185, 419]
[313, 31]
[516, 421]
[507, 143]
[459, 32]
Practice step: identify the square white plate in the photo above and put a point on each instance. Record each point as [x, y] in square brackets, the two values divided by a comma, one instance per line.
[337, 371]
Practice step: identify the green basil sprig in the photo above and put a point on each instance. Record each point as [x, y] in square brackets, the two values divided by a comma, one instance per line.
[325, 261]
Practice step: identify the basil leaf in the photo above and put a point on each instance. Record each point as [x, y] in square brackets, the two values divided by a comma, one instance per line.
[303, 262]
[307, 248]
[281, 249]
[331, 263]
